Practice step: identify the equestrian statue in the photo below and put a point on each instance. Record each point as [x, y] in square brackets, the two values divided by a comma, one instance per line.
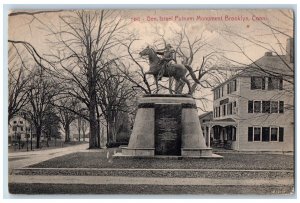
[163, 67]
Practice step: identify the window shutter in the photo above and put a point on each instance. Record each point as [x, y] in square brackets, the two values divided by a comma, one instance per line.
[252, 83]
[228, 89]
[234, 82]
[250, 134]
[250, 106]
[281, 106]
[280, 84]
[263, 86]
[281, 133]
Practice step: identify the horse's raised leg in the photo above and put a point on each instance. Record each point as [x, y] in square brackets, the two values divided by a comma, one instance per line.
[188, 84]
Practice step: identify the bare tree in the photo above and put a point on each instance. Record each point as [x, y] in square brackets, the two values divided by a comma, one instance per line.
[273, 40]
[19, 77]
[41, 94]
[277, 41]
[115, 94]
[85, 41]
[66, 109]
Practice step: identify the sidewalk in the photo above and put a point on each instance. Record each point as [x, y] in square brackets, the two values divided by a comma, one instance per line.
[23, 159]
[123, 180]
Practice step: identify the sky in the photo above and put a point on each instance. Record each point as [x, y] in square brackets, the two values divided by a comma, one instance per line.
[212, 24]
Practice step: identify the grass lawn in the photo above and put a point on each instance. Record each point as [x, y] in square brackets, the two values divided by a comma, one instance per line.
[230, 161]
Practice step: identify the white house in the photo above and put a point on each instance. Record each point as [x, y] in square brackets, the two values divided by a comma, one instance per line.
[254, 110]
[18, 129]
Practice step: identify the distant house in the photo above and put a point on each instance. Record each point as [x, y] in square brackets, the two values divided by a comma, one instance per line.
[254, 110]
[19, 129]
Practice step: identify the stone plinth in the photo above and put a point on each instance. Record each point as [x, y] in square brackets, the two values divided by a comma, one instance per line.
[167, 125]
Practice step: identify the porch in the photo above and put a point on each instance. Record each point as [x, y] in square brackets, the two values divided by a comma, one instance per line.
[220, 133]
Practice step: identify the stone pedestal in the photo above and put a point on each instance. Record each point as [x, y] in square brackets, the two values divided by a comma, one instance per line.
[167, 125]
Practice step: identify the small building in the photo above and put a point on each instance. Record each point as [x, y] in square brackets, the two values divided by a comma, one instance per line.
[254, 110]
[19, 129]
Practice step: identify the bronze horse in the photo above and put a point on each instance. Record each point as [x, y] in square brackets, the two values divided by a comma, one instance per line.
[177, 71]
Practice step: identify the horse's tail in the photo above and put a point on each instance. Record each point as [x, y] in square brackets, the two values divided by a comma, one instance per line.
[192, 73]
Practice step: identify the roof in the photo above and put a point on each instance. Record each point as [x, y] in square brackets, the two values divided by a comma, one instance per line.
[264, 66]
[225, 120]
[205, 114]
[222, 122]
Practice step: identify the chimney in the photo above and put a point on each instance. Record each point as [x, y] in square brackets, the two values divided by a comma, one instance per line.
[269, 53]
[290, 49]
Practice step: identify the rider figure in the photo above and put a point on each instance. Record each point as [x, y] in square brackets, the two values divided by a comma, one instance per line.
[168, 55]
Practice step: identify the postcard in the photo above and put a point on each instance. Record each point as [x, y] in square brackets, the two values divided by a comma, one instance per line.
[185, 101]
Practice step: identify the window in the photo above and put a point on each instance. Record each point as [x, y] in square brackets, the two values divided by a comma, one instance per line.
[234, 109]
[234, 85]
[231, 86]
[274, 83]
[22, 129]
[217, 93]
[224, 109]
[265, 134]
[266, 106]
[228, 88]
[256, 134]
[229, 109]
[21, 122]
[222, 91]
[281, 132]
[219, 111]
[15, 122]
[229, 133]
[250, 134]
[257, 83]
[274, 132]
[250, 106]
[281, 106]
[14, 128]
[234, 134]
[274, 107]
[257, 107]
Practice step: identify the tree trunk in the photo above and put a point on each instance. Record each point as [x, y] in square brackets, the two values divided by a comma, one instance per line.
[93, 122]
[67, 133]
[98, 133]
[93, 129]
[98, 127]
[93, 104]
[79, 128]
[38, 136]
[83, 131]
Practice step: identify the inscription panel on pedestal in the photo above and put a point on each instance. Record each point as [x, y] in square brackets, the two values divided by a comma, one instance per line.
[168, 129]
